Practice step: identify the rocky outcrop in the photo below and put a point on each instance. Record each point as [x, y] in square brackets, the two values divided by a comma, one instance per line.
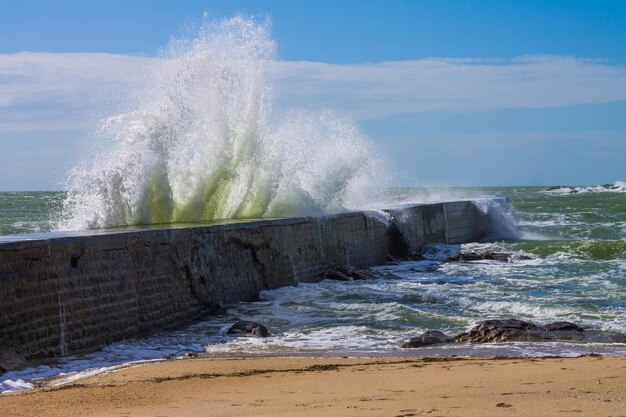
[347, 273]
[248, 328]
[498, 331]
[431, 337]
[490, 331]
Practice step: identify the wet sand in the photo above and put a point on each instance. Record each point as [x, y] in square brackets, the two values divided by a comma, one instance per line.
[589, 386]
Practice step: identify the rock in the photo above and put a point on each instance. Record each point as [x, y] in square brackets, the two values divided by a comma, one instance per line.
[431, 337]
[563, 326]
[248, 328]
[493, 331]
[416, 256]
[363, 274]
[473, 256]
[337, 276]
[347, 273]
[490, 331]
[394, 260]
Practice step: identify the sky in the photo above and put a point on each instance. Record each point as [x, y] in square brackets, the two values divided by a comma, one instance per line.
[455, 92]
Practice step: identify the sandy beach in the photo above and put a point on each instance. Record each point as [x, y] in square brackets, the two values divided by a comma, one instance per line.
[589, 386]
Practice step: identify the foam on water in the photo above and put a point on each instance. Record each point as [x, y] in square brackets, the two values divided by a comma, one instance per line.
[202, 143]
[616, 187]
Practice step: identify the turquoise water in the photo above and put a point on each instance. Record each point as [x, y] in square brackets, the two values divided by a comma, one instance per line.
[576, 272]
[576, 242]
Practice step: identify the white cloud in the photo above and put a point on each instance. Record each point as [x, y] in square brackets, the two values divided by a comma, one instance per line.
[43, 91]
[379, 90]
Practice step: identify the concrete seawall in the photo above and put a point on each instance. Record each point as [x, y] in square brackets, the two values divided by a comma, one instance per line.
[62, 293]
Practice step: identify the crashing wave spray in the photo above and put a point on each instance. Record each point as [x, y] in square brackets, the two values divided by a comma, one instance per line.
[202, 144]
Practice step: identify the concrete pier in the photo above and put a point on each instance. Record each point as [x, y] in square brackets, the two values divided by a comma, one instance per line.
[68, 292]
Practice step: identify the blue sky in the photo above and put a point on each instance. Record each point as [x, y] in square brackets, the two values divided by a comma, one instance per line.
[527, 92]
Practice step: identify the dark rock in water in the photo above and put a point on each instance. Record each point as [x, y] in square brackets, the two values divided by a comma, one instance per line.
[486, 256]
[571, 190]
[346, 273]
[337, 276]
[490, 331]
[473, 256]
[431, 337]
[415, 256]
[562, 326]
[364, 274]
[394, 260]
[495, 331]
[248, 328]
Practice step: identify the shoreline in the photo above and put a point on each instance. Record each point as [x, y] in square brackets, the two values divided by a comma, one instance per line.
[44, 372]
[48, 372]
[589, 385]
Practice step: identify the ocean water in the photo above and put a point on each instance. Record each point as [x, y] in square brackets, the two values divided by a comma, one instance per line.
[576, 243]
[28, 212]
[201, 142]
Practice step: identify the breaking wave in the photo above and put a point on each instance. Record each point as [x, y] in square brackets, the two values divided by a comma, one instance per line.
[616, 187]
[204, 144]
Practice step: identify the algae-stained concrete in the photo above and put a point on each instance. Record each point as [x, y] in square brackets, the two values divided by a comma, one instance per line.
[63, 293]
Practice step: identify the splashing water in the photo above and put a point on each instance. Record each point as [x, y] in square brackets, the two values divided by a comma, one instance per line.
[203, 144]
[616, 187]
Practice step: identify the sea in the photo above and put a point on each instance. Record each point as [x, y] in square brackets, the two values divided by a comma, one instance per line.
[201, 136]
[569, 264]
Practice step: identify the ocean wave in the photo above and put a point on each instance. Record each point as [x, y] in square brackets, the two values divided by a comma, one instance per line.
[616, 187]
[203, 143]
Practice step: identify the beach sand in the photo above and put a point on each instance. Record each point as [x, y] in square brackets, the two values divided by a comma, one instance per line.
[589, 386]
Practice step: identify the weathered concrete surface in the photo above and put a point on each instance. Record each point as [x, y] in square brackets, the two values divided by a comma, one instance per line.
[63, 293]
[452, 223]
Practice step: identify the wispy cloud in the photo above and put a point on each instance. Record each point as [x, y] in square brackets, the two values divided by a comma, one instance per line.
[43, 91]
[379, 90]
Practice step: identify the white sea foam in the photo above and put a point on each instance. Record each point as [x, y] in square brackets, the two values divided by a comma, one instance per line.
[502, 219]
[616, 187]
[203, 143]
[10, 385]
[533, 236]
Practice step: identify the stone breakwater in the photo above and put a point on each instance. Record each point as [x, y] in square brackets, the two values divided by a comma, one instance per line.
[70, 292]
